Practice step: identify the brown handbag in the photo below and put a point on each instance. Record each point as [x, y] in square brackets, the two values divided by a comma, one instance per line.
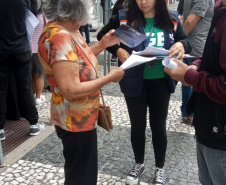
[104, 118]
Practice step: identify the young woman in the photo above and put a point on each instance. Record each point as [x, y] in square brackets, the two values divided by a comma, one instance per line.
[147, 85]
[37, 70]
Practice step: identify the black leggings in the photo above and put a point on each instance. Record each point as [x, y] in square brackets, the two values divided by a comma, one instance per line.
[156, 96]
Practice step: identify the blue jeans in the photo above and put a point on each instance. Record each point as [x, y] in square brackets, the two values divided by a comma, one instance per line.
[186, 92]
[212, 165]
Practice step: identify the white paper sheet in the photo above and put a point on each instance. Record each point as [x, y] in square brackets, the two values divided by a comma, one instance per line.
[152, 51]
[156, 52]
[170, 64]
[31, 22]
[135, 60]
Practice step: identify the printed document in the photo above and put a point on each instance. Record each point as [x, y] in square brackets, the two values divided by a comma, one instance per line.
[129, 36]
[135, 60]
[154, 51]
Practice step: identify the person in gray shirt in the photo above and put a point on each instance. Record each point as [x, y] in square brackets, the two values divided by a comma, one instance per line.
[197, 19]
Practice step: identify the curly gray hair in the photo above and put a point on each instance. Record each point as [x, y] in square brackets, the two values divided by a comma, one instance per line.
[75, 10]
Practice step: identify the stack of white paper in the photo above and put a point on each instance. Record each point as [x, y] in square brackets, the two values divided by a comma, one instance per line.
[148, 54]
[152, 51]
[155, 52]
[135, 60]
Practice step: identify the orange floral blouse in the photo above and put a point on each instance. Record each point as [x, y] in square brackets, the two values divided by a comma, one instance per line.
[56, 44]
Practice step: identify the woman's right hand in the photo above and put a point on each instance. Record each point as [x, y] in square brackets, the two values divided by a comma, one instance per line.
[122, 55]
[116, 74]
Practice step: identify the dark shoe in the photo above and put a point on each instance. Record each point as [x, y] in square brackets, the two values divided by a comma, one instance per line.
[114, 60]
[188, 120]
[134, 174]
[159, 177]
[2, 135]
[92, 30]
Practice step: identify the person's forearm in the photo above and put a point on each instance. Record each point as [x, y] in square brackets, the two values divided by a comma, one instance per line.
[190, 23]
[197, 62]
[213, 87]
[97, 48]
[182, 19]
[182, 37]
[67, 78]
[84, 89]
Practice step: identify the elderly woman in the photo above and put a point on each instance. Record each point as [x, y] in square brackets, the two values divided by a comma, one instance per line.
[70, 66]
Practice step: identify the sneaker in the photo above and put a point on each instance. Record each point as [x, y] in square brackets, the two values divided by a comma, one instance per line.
[134, 174]
[40, 100]
[188, 120]
[36, 129]
[2, 135]
[92, 30]
[159, 177]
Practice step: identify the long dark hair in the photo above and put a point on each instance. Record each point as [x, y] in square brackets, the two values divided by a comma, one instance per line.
[162, 17]
[34, 8]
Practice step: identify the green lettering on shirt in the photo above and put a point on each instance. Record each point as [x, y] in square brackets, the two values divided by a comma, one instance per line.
[157, 40]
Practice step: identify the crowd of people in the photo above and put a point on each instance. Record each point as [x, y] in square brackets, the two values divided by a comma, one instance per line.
[58, 50]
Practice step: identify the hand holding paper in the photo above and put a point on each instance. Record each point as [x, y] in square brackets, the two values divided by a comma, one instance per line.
[179, 72]
[155, 52]
[170, 64]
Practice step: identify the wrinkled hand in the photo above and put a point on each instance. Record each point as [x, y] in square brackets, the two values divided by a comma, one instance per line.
[178, 73]
[177, 49]
[109, 39]
[116, 74]
[122, 55]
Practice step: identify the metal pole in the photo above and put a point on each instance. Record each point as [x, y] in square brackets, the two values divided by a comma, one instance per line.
[107, 15]
[1, 156]
[109, 62]
[105, 62]
[99, 13]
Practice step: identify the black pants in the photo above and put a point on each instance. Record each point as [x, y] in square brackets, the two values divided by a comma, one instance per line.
[86, 30]
[155, 95]
[80, 153]
[20, 65]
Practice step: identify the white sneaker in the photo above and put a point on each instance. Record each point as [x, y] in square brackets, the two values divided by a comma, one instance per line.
[134, 174]
[36, 129]
[40, 100]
